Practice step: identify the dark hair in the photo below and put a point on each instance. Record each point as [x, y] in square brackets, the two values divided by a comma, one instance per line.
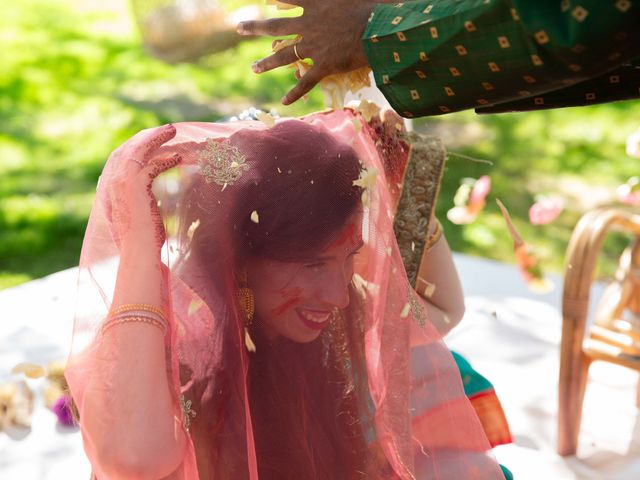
[301, 186]
[307, 416]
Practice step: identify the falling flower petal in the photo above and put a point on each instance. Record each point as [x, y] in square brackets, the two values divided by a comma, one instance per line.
[629, 192]
[254, 217]
[266, 118]
[461, 216]
[335, 87]
[192, 228]
[545, 210]
[367, 181]
[194, 306]
[30, 370]
[368, 109]
[469, 200]
[633, 144]
[480, 190]
[526, 258]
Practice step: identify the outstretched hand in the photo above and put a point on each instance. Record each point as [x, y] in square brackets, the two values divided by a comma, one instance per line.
[331, 32]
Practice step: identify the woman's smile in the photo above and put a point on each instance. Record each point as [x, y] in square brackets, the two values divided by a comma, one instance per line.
[314, 319]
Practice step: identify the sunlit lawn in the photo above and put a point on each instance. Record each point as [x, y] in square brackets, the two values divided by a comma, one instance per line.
[75, 82]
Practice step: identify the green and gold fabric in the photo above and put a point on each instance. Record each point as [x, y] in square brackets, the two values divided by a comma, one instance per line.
[431, 58]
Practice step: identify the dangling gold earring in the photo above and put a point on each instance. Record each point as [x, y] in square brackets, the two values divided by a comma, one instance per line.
[246, 301]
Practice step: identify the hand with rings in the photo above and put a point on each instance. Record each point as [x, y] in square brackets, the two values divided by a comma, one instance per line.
[331, 32]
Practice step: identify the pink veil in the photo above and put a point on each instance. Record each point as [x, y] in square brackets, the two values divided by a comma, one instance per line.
[357, 403]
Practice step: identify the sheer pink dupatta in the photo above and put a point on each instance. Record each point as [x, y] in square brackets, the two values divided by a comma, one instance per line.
[422, 421]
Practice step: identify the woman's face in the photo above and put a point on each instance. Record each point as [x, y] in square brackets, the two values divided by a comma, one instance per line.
[296, 299]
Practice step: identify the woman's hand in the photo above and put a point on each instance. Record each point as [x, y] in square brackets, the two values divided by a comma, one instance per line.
[134, 209]
[331, 31]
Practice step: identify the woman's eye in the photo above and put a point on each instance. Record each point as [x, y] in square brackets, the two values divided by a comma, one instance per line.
[314, 266]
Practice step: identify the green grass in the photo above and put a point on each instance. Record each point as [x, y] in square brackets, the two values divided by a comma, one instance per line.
[75, 82]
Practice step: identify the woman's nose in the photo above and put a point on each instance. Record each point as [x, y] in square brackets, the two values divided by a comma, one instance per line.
[335, 289]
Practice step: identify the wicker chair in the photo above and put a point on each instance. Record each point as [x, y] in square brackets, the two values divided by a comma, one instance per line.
[615, 335]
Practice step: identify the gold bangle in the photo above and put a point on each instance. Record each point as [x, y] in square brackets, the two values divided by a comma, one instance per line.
[121, 320]
[137, 306]
[433, 238]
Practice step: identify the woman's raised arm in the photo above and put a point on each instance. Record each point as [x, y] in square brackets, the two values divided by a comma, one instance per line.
[128, 366]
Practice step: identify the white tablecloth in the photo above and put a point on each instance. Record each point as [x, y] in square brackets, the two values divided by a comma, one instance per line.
[509, 334]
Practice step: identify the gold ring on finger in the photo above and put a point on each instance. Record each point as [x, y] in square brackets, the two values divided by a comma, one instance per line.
[295, 51]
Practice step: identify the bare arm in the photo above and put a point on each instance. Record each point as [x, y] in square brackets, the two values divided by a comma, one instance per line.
[445, 307]
[130, 375]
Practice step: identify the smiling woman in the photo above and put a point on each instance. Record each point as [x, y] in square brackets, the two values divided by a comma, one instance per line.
[281, 312]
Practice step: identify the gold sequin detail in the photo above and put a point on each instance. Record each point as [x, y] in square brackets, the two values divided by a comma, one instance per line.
[541, 37]
[536, 60]
[221, 163]
[580, 13]
[461, 50]
[187, 412]
[417, 310]
[503, 42]
[623, 5]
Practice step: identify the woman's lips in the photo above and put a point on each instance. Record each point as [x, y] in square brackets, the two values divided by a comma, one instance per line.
[314, 319]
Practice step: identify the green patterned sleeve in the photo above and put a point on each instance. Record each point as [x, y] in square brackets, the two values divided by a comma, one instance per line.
[431, 58]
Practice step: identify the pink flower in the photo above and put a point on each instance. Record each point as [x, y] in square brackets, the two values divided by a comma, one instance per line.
[469, 200]
[629, 192]
[480, 191]
[545, 210]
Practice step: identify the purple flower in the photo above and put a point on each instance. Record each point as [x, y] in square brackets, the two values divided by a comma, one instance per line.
[62, 409]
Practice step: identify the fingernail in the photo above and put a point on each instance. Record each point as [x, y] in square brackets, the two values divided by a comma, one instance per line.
[284, 100]
[240, 28]
[255, 66]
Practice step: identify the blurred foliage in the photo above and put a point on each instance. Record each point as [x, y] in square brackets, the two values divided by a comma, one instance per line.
[75, 82]
[575, 153]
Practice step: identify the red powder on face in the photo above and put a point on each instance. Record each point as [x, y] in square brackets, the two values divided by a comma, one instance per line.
[292, 296]
[345, 236]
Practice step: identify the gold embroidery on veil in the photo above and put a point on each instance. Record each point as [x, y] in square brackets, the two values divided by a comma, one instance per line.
[221, 163]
